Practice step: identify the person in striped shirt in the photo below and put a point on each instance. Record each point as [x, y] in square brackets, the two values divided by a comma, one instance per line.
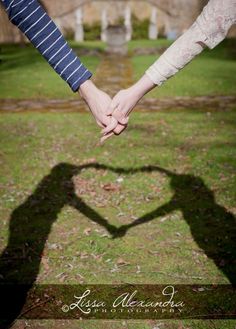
[30, 17]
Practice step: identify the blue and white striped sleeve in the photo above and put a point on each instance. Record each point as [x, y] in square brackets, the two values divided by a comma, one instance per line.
[33, 21]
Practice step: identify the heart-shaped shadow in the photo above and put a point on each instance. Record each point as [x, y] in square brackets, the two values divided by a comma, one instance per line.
[212, 226]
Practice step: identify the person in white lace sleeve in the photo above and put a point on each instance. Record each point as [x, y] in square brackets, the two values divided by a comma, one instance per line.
[209, 29]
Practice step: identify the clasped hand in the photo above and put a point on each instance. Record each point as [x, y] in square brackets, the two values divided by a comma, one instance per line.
[112, 115]
[118, 111]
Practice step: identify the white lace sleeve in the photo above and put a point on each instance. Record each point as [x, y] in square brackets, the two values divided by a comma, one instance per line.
[210, 28]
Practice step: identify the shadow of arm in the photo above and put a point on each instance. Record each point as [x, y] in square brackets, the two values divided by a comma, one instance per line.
[90, 213]
[159, 212]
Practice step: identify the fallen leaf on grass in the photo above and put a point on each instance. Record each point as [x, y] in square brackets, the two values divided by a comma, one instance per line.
[111, 187]
[98, 257]
[122, 262]
[84, 255]
[105, 235]
[163, 219]
[63, 278]
[153, 252]
[120, 180]
[89, 161]
[54, 246]
[87, 231]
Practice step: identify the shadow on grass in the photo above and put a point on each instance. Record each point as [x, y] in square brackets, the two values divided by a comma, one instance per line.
[212, 226]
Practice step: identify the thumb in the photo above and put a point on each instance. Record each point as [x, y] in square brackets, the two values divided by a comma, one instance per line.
[110, 127]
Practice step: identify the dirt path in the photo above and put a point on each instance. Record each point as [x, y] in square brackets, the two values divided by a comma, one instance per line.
[220, 103]
[114, 73]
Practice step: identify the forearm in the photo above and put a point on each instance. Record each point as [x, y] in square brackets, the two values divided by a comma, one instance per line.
[142, 87]
[177, 56]
[210, 28]
[34, 22]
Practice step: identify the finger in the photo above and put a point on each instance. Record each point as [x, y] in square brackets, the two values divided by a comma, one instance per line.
[104, 138]
[107, 120]
[110, 127]
[112, 107]
[120, 117]
[124, 120]
[119, 129]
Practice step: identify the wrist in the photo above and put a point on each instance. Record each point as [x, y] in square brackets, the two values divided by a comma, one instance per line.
[87, 89]
[143, 86]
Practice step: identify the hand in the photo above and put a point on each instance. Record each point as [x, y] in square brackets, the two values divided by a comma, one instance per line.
[98, 102]
[120, 232]
[120, 107]
[123, 103]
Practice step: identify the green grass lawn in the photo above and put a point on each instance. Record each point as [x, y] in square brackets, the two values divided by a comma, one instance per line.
[42, 154]
[25, 74]
[189, 142]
